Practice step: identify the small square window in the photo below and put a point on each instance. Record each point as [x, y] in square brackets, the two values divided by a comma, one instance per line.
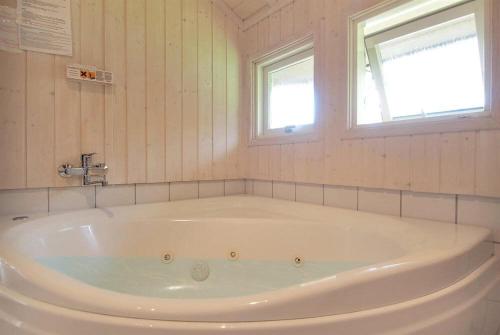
[421, 60]
[284, 92]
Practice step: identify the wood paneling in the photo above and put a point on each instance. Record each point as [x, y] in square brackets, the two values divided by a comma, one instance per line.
[116, 147]
[136, 83]
[92, 96]
[189, 89]
[458, 162]
[173, 90]
[154, 123]
[219, 95]
[67, 112]
[13, 120]
[205, 89]
[155, 89]
[40, 120]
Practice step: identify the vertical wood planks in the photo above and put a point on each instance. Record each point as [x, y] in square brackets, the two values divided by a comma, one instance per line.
[233, 101]
[205, 89]
[286, 22]
[488, 163]
[457, 163]
[13, 120]
[373, 169]
[92, 96]
[67, 112]
[136, 91]
[275, 28]
[155, 84]
[219, 95]
[397, 163]
[425, 161]
[287, 162]
[173, 90]
[189, 90]
[40, 120]
[116, 147]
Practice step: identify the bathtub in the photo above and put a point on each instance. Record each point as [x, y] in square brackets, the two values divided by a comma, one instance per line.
[241, 265]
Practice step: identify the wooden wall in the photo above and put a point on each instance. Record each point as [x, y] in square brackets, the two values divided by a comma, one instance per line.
[172, 114]
[457, 163]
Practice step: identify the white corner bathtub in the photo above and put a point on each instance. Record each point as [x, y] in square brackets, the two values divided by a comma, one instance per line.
[241, 265]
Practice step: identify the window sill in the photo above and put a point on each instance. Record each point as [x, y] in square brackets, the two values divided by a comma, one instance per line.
[286, 139]
[423, 126]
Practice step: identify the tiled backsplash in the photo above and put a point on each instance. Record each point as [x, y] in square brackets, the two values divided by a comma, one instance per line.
[17, 202]
[451, 208]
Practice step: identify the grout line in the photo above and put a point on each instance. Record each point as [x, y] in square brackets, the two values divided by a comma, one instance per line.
[48, 200]
[357, 198]
[169, 187]
[456, 208]
[323, 189]
[400, 203]
[135, 194]
[146, 109]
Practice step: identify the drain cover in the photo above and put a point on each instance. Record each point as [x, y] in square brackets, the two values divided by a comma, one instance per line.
[200, 271]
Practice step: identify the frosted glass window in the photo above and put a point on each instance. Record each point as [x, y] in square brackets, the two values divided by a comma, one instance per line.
[291, 95]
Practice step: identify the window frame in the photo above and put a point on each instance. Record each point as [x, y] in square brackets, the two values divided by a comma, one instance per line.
[261, 65]
[486, 119]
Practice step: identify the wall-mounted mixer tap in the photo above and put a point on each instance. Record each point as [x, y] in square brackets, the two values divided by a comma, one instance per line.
[92, 173]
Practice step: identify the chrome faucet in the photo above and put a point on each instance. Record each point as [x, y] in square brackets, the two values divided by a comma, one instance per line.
[92, 173]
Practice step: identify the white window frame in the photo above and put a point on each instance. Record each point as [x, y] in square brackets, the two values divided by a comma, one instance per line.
[261, 66]
[485, 119]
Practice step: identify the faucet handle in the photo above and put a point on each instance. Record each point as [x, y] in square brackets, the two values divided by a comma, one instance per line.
[87, 159]
[90, 154]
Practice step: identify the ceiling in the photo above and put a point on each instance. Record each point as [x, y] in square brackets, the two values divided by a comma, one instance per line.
[246, 8]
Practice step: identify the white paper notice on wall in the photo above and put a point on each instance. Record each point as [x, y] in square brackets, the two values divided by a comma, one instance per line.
[45, 26]
[8, 30]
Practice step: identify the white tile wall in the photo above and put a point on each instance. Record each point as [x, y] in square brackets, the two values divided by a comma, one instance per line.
[212, 188]
[379, 201]
[115, 195]
[184, 190]
[71, 198]
[310, 193]
[343, 197]
[439, 207]
[262, 188]
[480, 211]
[20, 202]
[284, 191]
[233, 187]
[149, 193]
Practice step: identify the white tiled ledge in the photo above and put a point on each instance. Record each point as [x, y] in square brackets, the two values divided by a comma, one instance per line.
[451, 208]
[26, 201]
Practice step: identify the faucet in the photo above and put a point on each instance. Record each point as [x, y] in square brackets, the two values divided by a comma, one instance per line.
[92, 173]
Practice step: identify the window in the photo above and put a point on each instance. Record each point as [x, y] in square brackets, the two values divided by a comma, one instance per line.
[284, 92]
[423, 60]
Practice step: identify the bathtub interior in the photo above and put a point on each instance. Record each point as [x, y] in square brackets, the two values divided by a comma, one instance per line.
[207, 257]
[226, 248]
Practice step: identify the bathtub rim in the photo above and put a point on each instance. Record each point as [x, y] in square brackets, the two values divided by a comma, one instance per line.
[470, 287]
